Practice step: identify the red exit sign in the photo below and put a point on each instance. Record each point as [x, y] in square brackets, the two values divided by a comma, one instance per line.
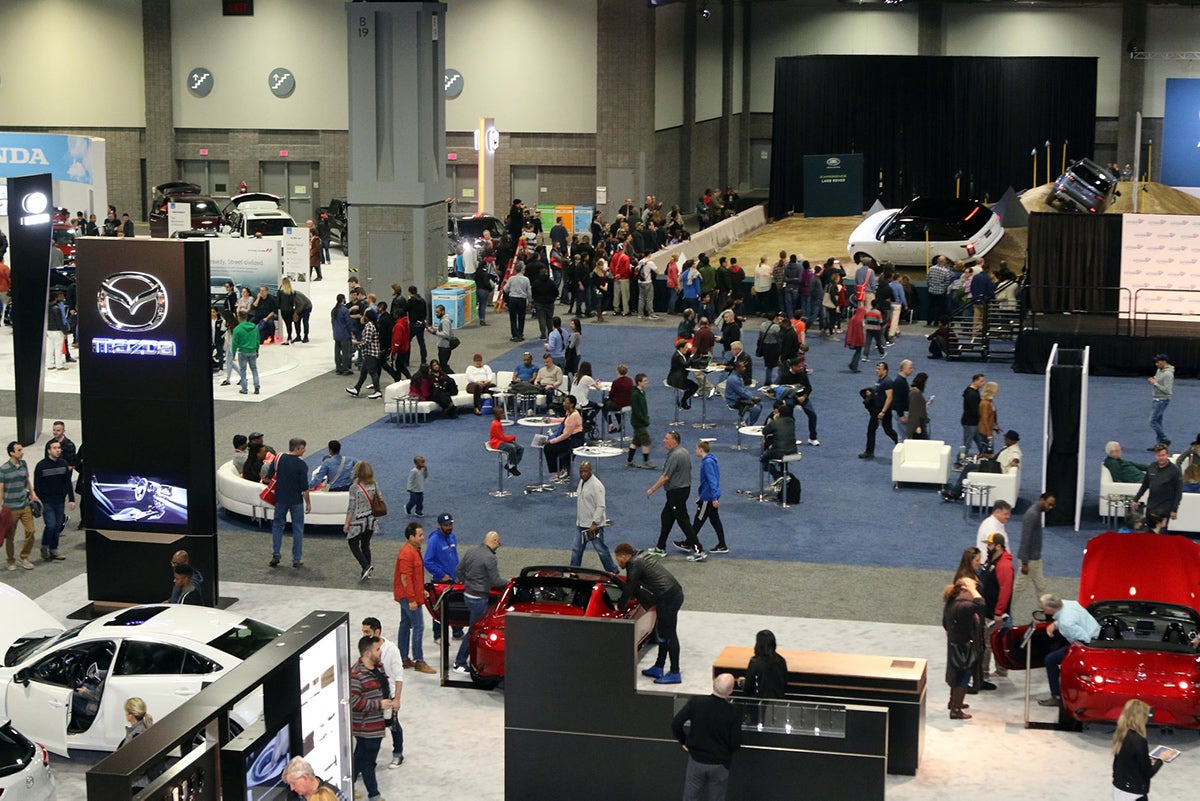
[237, 8]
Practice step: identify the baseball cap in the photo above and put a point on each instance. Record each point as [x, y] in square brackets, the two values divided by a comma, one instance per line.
[445, 519]
[995, 538]
[1013, 435]
[1161, 357]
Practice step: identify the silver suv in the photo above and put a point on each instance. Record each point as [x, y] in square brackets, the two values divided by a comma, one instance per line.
[1085, 187]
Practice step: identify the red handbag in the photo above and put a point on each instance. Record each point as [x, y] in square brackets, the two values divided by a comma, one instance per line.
[268, 493]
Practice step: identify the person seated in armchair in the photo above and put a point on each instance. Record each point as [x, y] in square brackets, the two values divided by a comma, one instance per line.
[481, 379]
[1122, 470]
[1008, 458]
[523, 373]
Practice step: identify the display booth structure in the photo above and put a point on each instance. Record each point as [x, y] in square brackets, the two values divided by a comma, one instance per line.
[146, 414]
[29, 260]
[603, 739]
[76, 166]
[194, 754]
[833, 185]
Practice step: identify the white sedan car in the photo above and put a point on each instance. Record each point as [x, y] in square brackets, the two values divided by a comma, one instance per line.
[24, 768]
[67, 688]
[925, 229]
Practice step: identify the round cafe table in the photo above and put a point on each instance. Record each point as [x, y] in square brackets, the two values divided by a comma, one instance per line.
[759, 494]
[593, 452]
[543, 425]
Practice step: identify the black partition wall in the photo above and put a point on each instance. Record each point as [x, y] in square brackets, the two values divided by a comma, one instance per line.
[920, 120]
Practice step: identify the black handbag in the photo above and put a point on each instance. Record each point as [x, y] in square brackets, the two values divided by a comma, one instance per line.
[961, 656]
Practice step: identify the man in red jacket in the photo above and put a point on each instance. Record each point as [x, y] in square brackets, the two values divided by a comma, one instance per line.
[996, 586]
[621, 271]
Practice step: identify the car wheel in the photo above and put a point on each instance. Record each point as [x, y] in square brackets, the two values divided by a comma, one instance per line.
[345, 244]
[484, 683]
[858, 257]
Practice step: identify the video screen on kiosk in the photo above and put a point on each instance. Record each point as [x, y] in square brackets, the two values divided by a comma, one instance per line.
[264, 767]
[122, 499]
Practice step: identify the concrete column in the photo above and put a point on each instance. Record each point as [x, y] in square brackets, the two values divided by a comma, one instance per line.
[931, 30]
[397, 181]
[744, 128]
[728, 9]
[158, 144]
[624, 100]
[687, 193]
[1133, 80]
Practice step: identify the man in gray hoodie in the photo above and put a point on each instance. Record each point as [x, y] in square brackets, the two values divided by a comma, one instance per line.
[1164, 387]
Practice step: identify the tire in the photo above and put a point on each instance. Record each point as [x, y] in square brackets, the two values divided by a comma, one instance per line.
[482, 683]
[858, 257]
[345, 244]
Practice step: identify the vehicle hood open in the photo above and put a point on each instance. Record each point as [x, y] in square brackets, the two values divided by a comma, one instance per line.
[22, 616]
[1147, 567]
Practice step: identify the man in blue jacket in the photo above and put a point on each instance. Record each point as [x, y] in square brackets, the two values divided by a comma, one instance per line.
[740, 399]
[343, 336]
[441, 559]
[708, 502]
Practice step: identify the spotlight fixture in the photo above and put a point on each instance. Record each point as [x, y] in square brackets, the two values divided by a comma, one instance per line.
[705, 11]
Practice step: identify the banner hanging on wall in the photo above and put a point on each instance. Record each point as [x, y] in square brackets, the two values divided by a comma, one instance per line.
[1181, 133]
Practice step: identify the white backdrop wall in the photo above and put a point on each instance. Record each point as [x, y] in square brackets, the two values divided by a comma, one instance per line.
[1023, 31]
[1169, 30]
[49, 49]
[1160, 254]
[307, 37]
[531, 64]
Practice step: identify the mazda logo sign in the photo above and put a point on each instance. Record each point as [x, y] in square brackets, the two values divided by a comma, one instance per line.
[132, 301]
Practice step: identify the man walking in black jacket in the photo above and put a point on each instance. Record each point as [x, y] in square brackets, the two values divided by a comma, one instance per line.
[653, 585]
[716, 732]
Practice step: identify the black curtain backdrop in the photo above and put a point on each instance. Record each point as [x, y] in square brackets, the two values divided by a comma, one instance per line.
[1071, 258]
[1062, 462]
[918, 120]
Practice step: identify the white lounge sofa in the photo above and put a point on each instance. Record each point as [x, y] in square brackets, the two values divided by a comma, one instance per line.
[236, 494]
[1188, 518]
[920, 461]
[1005, 486]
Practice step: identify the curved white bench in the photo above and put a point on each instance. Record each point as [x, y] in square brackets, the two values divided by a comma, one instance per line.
[236, 494]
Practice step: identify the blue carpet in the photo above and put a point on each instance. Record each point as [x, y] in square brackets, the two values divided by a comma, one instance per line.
[849, 514]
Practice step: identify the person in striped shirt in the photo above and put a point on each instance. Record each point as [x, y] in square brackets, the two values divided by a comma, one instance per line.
[367, 705]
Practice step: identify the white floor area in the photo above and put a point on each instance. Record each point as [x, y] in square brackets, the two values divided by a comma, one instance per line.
[454, 737]
[280, 368]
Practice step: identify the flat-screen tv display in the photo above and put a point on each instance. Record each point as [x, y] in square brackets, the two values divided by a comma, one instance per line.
[122, 500]
[264, 767]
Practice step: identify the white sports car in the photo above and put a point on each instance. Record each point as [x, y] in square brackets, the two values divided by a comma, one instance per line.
[24, 768]
[925, 229]
[66, 688]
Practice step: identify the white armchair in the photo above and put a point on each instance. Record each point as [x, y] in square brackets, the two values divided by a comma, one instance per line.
[1005, 486]
[920, 461]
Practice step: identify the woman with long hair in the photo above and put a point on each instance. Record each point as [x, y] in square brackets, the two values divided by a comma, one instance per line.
[286, 299]
[230, 321]
[1133, 766]
[360, 522]
[766, 675]
[582, 383]
[963, 606]
[137, 720]
[968, 565]
[574, 337]
[245, 300]
[988, 422]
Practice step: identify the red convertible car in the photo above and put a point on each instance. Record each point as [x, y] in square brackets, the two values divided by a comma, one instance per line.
[540, 590]
[1142, 588]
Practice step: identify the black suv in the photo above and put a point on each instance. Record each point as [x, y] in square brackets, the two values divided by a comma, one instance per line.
[470, 229]
[334, 216]
[1085, 187]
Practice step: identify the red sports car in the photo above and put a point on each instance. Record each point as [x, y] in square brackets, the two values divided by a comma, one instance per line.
[539, 590]
[1142, 588]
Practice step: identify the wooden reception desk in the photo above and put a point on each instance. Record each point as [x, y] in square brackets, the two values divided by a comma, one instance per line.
[898, 683]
